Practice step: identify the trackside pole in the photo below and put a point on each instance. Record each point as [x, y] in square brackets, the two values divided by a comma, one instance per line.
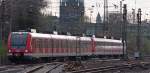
[124, 32]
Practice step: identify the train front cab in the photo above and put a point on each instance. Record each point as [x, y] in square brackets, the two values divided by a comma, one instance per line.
[18, 45]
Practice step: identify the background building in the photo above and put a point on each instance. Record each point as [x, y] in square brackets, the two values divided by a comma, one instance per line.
[71, 10]
[114, 24]
[71, 16]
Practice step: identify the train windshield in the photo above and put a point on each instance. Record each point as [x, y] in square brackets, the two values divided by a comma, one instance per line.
[18, 41]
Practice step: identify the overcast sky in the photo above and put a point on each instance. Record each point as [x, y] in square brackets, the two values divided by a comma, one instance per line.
[143, 4]
[53, 7]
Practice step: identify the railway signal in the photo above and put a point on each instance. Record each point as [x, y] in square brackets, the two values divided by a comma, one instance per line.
[138, 42]
[124, 31]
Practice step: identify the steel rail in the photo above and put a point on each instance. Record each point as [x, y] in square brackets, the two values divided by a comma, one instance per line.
[53, 68]
[108, 68]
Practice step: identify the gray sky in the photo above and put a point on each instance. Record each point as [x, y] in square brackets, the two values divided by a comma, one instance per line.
[143, 4]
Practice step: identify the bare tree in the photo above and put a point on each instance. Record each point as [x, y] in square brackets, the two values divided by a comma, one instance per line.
[20, 15]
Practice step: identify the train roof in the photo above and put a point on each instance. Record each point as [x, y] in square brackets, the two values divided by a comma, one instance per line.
[107, 40]
[41, 35]
[73, 37]
[18, 32]
[85, 38]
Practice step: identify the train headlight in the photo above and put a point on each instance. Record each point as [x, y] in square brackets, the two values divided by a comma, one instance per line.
[9, 50]
[26, 50]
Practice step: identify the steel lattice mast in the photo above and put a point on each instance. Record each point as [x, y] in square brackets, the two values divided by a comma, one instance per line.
[105, 21]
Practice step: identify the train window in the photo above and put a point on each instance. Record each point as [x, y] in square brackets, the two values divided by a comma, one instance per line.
[37, 44]
[108, 43]
[62, 43]
[46, 43]
[77, 44]
[74, 42]
[116, 44]
[33, 43]
[99, 43]
[18, 40]
[39, 41]
[82, 44]
[66, 43]
[87, 44]
[55, 43]
[58, 45]
[49, 43]
[42, 43]
[70, 44]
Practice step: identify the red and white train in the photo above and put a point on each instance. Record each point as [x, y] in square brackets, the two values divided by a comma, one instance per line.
[49, 45]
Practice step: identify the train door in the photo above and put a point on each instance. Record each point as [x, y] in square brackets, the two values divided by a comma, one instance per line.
[93, 48]
[50, 46]
[78, 47]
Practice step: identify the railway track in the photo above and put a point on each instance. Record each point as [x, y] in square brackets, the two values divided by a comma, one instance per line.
[45, 68]
[29, 68]
[13, 68]
[111, 68]
[53, 68]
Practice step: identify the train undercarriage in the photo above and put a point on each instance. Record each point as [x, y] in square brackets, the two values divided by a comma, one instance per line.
[20, 58]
